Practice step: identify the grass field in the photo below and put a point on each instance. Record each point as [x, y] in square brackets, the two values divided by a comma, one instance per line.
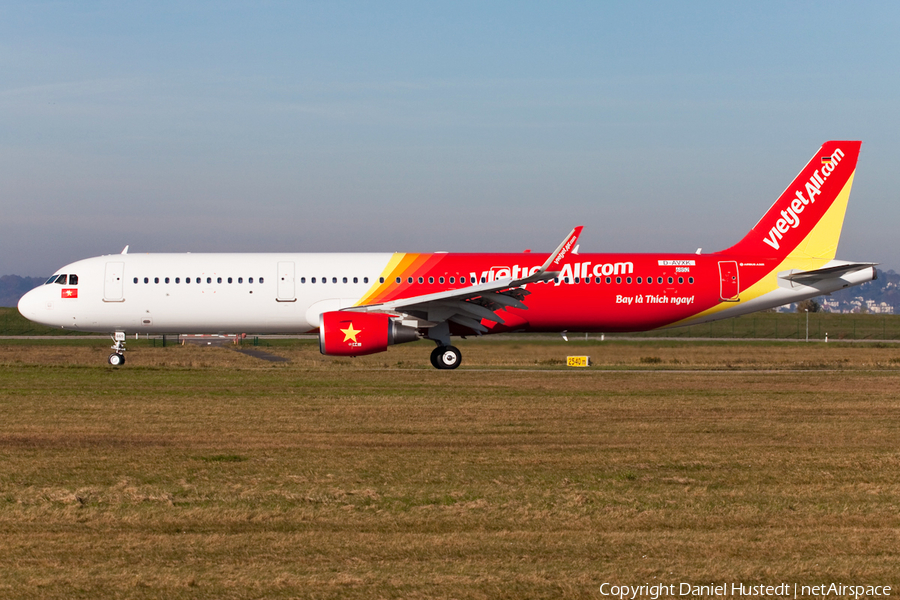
[204, 473]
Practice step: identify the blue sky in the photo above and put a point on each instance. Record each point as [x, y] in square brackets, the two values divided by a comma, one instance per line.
[414, 126]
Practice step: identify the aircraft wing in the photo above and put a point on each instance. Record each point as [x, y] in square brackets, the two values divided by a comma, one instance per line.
[467, 306]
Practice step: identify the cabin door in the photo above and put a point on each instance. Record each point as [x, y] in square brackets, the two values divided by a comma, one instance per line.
[113, 288]
[729, 283]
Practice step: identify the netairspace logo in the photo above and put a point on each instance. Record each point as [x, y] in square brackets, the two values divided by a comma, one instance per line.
[737, 590]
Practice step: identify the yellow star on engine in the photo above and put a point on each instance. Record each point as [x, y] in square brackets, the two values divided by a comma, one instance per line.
[350, 333]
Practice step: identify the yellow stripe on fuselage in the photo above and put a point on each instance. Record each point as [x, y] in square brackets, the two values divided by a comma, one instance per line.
[377, 289]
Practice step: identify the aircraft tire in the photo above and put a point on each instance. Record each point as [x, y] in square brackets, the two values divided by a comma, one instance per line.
[448, 357]
[116, 359]
[435, 355]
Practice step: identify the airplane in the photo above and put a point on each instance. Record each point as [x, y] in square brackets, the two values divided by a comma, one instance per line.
[362, 303]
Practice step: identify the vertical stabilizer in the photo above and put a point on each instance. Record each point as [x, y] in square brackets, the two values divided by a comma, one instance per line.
[805, 222]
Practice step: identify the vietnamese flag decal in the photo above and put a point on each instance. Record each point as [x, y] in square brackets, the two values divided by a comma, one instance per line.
[70, 293]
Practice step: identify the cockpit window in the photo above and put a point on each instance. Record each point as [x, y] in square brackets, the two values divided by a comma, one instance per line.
[52, 279]
[61, 280]
[73, 279]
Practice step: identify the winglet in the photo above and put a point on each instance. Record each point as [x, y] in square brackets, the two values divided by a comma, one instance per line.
[125, 250]
[555, 260]
[553, 265]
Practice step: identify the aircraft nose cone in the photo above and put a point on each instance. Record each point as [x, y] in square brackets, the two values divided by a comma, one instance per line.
[29, 305]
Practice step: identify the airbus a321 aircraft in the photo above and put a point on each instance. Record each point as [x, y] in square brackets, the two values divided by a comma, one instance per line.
[363, 303]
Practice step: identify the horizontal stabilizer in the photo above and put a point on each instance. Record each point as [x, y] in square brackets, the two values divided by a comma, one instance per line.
[833, 272]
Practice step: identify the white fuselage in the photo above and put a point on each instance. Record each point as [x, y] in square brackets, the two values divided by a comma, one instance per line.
[226, 293]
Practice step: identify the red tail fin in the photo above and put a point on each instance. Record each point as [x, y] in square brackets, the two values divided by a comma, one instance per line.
[805, 221]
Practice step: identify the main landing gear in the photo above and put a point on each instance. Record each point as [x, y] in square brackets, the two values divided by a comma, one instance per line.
[445, 357]
[117, 358]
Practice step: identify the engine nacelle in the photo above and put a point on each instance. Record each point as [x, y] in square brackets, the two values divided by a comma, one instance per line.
[345, 333]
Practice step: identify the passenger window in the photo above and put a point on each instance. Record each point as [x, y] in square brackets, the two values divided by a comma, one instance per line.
[178, 280]
[690, 280]
[659, 280]
[187, 279]
[198, 280]
[441, 279]
[135, 280]
[250, 280]
[452, 280]
[365, 280]
[209, 280]
[431, 280]
[356, 280]
[156, 280]
[639, 280]
[167, 280]
[218, 280]
[628, 280]
[229, 280]
[618, 280]
[381, 280]
[566, 279]
[670, 280]
[421, 280]
[681, 280]
[409, 280]
[312, 279]
[261, 280]
[344, 280]
[398, 280]
[334, 280]
[577, 280]
[597, 280]
[302, 280]
[146, 280]
[240, 280]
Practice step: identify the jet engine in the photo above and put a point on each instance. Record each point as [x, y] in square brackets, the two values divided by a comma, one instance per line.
[345, 333]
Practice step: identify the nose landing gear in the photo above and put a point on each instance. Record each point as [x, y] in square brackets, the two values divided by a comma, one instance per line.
[117, 358]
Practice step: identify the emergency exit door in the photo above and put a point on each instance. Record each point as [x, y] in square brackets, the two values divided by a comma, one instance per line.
[286, 292]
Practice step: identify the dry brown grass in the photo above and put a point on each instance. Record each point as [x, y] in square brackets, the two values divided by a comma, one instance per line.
[205, 473]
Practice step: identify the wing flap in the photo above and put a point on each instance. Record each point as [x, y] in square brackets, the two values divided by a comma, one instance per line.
[554, 262]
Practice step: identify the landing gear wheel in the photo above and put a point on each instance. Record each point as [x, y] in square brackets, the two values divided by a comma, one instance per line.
[446, 357]
[116, 359]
